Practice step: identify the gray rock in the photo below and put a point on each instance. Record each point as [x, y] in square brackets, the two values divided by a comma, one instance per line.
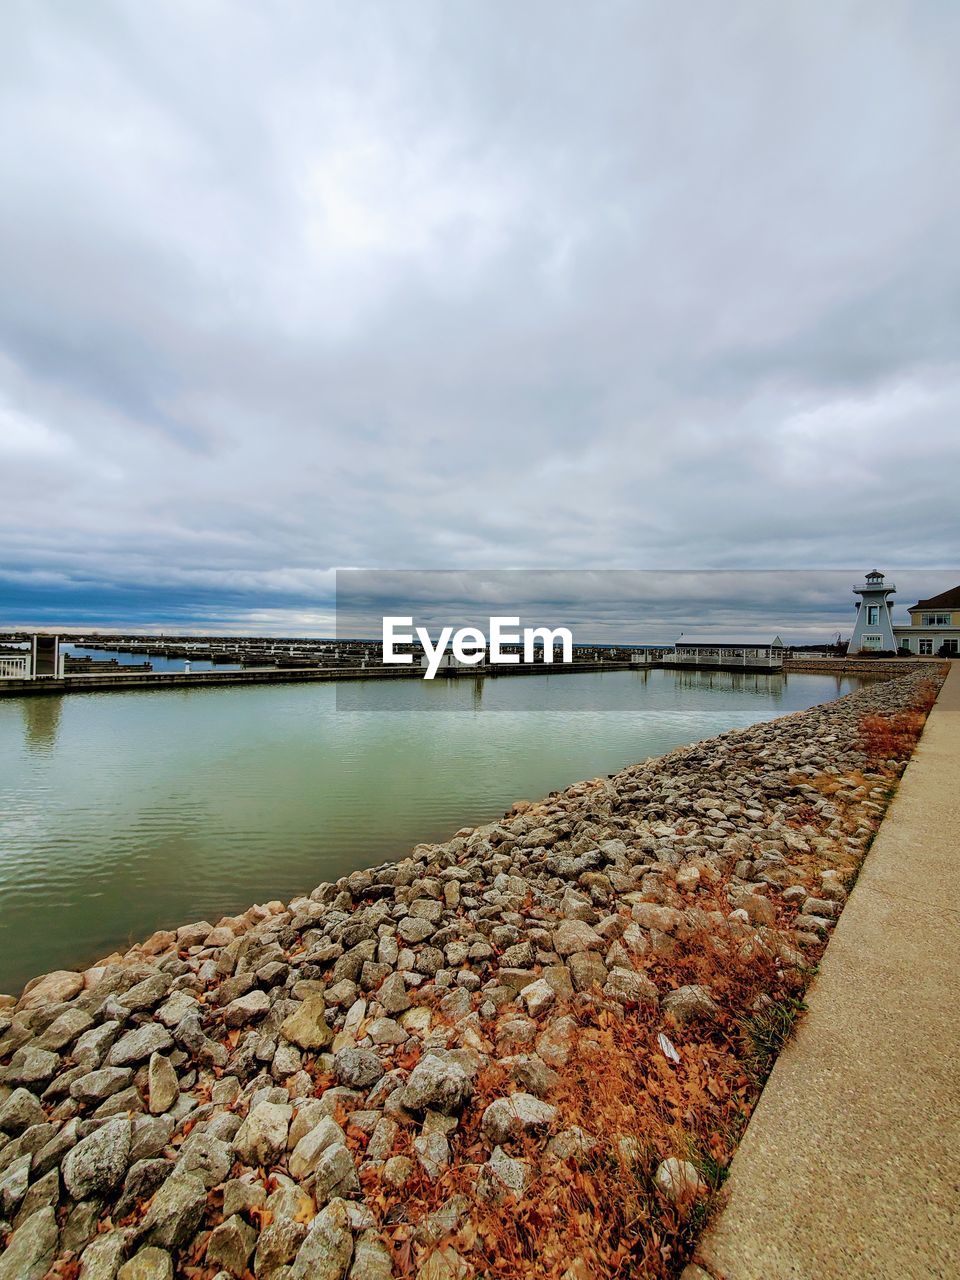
[180, 1005]
[335, 1174]
[397, 1171]
[137, 1045]
[190, 1035]
[31, 1066]
[163, 1085]
[262, 1138]
[515, 1116]
[55, 1148]
[532, 1074]
[65, 1029]
[393, 994]
[326, 1252]
[176, 1211]
[502, 1175]
[689, 1003]
[240, 1196]
[386, 1031]
[207, 1156]
[231, 1244]
[97, 1165]
[278, 1245]
[433, 1153]
[150, 1135]
[20, 1111]
[414, 930]
[572, 1143]
[31, 1248]
[144, 995]
[119, 1104]
[305, 1155]
[437, 1084]
[678, 1180]
[13, 1184]
[91, 1048]
[371, 1258]
[357, 1068]
[52, 988]
[97, 1086]
[629, 986]
[572, 936]
[104, 1255]
[140, 1184]
[80, 1226]
[587, 970]
[149, 1264]
[246, 1009]
[538, 996]
[44, 1192]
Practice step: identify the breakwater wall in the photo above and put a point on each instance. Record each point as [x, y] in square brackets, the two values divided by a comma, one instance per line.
[380, 1076]
[885, 667]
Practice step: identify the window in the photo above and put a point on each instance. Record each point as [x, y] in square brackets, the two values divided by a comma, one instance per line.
[936, 620]
[873, 615]
[926, 647]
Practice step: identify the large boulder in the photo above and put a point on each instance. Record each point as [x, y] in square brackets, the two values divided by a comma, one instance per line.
[357, 1068]
[262, 1138]
[139, 1044]
[437, 1084]
[307, 1027]
[20, 1111]
[514, 1117]
[572, 936]
[97, 1164]
[176, 1211]
[687, 1004]
[326, 1252]
[31, 1248]
[52, 988]
[305, 1155]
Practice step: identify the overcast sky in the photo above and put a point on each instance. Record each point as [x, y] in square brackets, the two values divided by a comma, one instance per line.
[287, 287]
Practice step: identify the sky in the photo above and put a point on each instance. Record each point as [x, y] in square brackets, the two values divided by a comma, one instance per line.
[288, 288]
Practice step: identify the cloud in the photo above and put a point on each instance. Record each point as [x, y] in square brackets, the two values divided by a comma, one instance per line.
[441, 287]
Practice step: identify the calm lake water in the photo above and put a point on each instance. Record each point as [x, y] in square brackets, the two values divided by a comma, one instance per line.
[121, 813]
[157, 662]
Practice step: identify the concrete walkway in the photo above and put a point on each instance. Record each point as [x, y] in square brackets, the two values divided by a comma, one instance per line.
[850, 1166]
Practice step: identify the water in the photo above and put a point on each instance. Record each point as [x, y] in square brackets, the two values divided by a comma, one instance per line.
[156, 661]
[121, 813]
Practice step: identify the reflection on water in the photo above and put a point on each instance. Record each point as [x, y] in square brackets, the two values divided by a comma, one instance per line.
[122, 813]
[41, 720]
[772, 687]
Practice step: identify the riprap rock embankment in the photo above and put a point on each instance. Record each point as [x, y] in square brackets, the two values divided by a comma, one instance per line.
[345, 1085]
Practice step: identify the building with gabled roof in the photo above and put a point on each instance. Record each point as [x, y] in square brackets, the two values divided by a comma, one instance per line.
[934, 626]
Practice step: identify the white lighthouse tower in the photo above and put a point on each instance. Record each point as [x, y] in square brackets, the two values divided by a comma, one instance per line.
[873, 631]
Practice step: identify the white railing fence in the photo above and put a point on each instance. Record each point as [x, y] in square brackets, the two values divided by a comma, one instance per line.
[15, 668]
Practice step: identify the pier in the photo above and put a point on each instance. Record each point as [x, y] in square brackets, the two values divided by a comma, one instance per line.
[117, 681]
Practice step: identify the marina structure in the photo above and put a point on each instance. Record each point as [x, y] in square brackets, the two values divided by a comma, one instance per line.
[726, 656]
